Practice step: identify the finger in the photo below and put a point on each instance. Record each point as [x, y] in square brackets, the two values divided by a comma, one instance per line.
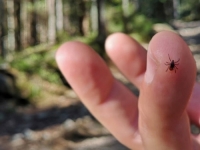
[128, 55]
[194, 112]
[194, 105]
[164, 95]
[108, 100]
[196, 142]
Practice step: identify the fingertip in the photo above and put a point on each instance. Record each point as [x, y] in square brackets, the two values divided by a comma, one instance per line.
[167, 47]
[59, 53]
[128, 55]
[167, 87]
[167, 43]
[75, 55]
[171, 67]
[85, 70]
[62, 53]
[68, 49]
[166, 91]
[111, 40]
[120, 41]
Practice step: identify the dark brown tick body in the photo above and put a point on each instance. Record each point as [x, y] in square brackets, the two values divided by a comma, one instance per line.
[172, 65]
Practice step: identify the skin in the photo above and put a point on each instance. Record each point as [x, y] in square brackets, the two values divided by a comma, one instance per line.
[160, 117]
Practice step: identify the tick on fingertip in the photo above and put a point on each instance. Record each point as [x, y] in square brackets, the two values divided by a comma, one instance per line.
[172, 65]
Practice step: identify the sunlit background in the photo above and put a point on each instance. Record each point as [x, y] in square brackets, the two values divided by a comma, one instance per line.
[38, 108]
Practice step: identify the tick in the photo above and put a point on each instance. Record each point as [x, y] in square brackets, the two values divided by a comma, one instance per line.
[172, 65]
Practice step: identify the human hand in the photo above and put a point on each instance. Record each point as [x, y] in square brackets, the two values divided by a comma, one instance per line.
[159, 118]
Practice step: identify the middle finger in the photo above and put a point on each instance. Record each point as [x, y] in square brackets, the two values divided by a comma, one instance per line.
[128, 55]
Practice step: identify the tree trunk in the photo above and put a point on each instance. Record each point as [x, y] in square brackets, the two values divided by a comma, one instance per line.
[2, 28]
[101, 19]
[25, 23]
[81, 16]
[125, 9]
[93, 16]
[33, 25]
[137, 4]
[51, 21]
[175, 6]
[11, 26]
[66, 21]
[17, 24]
[59, 15]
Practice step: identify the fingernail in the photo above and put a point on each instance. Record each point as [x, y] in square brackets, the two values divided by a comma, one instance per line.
[151, 68]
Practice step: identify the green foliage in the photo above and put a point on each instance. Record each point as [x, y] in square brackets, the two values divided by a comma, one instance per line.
[113, 3]
[40, 64]
[142, 26]
[33, 91]
[37, 6]
[28, 89]
[133, 23]
[114, 17]
[76, 11]
[28, 64]
[155, 9]
[189, 10]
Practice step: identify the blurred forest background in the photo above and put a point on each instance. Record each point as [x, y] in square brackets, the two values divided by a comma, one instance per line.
[37, 106]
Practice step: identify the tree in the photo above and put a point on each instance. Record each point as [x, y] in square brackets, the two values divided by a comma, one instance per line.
[154, 9]
[101, 19]
[175, 6]
[59, 15]
[33, 24]
[93, 16]
[189, 10]
[125, 7]
[76, 16]
[125, 10]
[81, 16]
[17, 6]
[51, 21]
[11, 25]
[2, 28]
[25, 30]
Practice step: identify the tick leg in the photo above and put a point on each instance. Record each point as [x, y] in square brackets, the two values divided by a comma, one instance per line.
[167, 69]
[175, 69]
[169, 57]
[177, 61]
[167, 63]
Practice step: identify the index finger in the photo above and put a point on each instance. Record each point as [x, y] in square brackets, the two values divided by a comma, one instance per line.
[107, 99]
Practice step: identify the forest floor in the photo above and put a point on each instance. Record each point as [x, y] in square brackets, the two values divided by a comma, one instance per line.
[61, 122]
